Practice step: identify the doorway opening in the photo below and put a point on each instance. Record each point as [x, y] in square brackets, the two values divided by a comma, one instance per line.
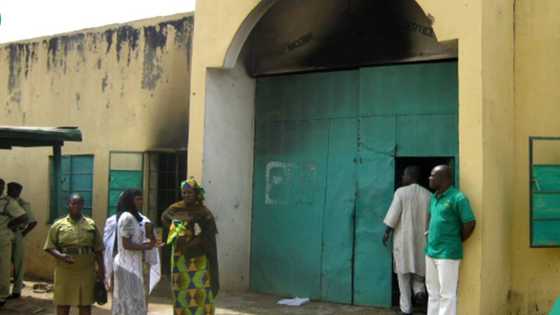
[426, 164]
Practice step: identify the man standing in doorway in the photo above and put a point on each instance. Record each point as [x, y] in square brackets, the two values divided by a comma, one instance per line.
[406, 221]
[14, 196]
[450, 223]
[11, 217]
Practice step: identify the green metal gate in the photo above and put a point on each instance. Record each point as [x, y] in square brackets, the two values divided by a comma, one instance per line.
[325, 148]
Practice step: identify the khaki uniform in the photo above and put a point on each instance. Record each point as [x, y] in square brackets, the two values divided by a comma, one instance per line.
[74, 283]
[8, 212]
[18, 248]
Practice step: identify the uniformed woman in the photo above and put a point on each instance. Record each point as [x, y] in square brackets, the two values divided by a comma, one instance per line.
[77, 246]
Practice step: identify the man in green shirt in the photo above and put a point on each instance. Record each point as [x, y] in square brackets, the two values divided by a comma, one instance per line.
[11, 217]
[14, 196]
[450, 223]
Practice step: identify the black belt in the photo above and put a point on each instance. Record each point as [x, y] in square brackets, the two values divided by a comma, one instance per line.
[77, 250]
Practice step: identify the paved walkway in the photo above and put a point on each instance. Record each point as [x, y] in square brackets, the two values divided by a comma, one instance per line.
[228, 304]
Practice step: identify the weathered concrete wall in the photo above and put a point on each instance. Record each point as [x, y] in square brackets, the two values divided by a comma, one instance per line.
[494, 222]
[535, 272]
[228, 168]
[125, 86]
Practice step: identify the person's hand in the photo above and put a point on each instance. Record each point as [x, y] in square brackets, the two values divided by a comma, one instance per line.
[67, 258]
[148, 244]
[386, 238]
[109, 285]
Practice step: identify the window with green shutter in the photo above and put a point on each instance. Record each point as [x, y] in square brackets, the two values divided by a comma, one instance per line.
[126, 170]
[76, 177]
[544, 159]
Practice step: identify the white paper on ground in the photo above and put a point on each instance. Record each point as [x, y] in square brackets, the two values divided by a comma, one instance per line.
[294, 302]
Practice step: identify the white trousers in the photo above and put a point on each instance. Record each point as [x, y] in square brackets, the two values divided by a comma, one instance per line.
[442, 278]
[405, 282]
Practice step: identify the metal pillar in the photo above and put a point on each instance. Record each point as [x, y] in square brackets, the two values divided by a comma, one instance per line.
[57, 169]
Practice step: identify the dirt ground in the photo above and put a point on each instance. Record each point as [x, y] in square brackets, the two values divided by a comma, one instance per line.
[227, 304]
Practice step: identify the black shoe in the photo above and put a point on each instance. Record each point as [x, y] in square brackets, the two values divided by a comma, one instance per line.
[2, 303]
[14, 296]
[420, 298]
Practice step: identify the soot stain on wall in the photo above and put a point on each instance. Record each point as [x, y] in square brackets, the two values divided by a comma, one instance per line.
[21, 57]
[105, 82]
[127, 43]
[130, 35]
[155, 39]
[59, 48]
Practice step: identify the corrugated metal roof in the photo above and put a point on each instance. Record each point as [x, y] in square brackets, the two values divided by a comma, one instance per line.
[14, 136]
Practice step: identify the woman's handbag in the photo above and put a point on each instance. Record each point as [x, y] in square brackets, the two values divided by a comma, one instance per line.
[100, 293]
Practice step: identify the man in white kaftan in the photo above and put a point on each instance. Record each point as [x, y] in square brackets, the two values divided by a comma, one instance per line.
[406, 221]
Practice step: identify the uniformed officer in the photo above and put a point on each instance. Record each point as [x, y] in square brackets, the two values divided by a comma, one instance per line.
[13, 195]
[76, 244]
[12, 216]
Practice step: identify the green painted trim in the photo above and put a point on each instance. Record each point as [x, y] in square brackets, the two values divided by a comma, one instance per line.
[53, 212]
[109, 175]
[544, 217]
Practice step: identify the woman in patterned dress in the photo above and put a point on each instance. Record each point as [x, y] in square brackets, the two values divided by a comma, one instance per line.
[194, 262]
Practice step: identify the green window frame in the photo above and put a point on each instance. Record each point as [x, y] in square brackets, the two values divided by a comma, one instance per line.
[76, 177]
[544, 192]
[126, 170]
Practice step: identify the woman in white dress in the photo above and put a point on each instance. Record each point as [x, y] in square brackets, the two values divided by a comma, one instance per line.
[128, 289]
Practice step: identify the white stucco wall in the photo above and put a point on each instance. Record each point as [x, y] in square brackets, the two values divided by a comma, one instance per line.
[228, 169]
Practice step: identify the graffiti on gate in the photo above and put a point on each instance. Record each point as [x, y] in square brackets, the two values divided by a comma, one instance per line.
[289, 183]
